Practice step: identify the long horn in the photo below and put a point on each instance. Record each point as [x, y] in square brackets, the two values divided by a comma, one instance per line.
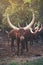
[10, 24]
[34, 31]
[32, 22]
[31, 30]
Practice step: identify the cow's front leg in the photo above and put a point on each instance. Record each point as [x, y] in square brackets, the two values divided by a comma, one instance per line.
[31, 42]
[18, 42]
[22, 46]
[27, 45]
[12, 43]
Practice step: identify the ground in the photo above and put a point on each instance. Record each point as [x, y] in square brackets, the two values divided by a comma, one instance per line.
[6, 55]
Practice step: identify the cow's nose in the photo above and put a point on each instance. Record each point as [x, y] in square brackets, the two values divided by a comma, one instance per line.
[22, 37]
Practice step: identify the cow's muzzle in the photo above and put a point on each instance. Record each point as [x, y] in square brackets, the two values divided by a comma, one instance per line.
[22, 38]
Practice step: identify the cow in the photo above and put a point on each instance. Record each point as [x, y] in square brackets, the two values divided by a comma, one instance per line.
[20, 34]
[40, 33]
[32, 35]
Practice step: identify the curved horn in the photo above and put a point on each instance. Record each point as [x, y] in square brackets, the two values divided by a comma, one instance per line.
[32, 22]
[32, 31]
[10, 24]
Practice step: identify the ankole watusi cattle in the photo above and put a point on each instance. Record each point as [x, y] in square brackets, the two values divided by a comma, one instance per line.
[22, 34]
[40, 33]
[32, 35]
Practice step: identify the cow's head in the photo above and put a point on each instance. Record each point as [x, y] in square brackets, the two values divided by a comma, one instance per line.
[21, 34]
[36, 29]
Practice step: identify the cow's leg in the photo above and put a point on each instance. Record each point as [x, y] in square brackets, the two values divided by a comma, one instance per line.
[22, 46]
[18, 42]
[36, 38]
[12, 43]
[27, 45]
[31, 42]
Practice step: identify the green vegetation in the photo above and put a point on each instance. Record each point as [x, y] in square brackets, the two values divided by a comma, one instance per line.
[20, 11]
[13, 63]
[34, 62]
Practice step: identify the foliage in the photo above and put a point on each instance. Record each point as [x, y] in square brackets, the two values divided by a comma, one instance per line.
[19, 14]
[13, 63]
[25, 1]
[20, 11]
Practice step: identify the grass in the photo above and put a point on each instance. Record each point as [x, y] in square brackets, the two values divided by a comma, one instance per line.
[35, 62]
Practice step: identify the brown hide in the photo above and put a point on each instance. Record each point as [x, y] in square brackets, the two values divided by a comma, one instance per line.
[13, 33]
[18, 34]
